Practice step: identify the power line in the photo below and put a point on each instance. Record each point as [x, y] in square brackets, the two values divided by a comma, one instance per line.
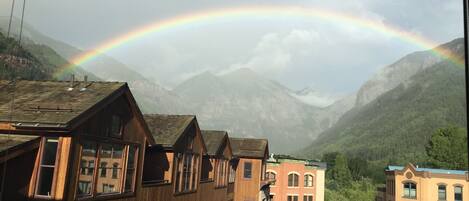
[11, 17]
[22, 17]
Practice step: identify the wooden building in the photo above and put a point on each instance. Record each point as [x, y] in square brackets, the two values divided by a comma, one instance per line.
[216, 166]
[251, 168]
[70, 141]
[172, 168]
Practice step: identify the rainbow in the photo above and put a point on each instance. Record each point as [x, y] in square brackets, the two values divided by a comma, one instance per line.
[252, 12]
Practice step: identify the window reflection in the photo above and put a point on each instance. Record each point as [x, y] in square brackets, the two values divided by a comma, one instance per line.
[110, 154]
[85, 179]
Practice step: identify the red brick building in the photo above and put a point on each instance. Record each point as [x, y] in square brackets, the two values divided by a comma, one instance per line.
[296, 179]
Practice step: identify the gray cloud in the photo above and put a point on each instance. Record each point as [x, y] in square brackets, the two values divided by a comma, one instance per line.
[332, 57]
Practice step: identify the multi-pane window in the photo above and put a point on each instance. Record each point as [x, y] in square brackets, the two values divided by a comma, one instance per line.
[221, 172]
[307, 198]
[47, 167]
[441, 192]
[308, 180]
[115, 172]
[292, 198]
[187, 172]
[86, 180]
[410, 190]
[186, 175]
[458, 193]
[247, 170]
[110, 154]
[293, 180]
[271, 176]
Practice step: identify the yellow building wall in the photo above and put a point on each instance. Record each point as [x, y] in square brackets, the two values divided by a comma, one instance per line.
[427, 187]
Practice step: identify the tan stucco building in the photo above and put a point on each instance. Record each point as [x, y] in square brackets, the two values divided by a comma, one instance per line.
[410, 183]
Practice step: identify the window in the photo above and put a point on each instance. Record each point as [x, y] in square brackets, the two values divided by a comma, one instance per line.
[271, 176]
[293, 180]
[116, 126]
[441, 192]
[247, 170]
[458, 193]
[232, 176]
[47, 167]
[111, 154]
[115, 170]
[90, 167]
[308, 180]
[292, 198]
[98, 181]
[131, 169]
[85, 181]
[103, 169]
[187, 172]
[307, 198]
[83, 167]
[410, 190]
[221, 172]
[186, 175]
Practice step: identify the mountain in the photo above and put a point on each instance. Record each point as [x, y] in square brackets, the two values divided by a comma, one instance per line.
[393, 75]
[313, 97]
[32, 61]
[151, 97]
[246, 104]
[395, 126]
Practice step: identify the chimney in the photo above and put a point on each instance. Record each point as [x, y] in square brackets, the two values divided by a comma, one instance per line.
[85, 79]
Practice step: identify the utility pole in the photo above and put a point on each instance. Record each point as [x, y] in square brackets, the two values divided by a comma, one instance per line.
[466, 59]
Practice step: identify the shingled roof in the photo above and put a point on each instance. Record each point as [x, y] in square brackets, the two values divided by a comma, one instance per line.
[51, 103]
[213, 140]
[166, 129]
[11, 141]
[249, 147]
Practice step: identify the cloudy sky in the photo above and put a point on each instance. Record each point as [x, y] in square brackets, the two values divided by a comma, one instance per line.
[331, 57]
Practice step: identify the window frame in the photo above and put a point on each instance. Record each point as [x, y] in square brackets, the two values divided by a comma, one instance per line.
[445, 192]
[250, 169]
[193, 177]
[54, 174]
[306, 197]
[293, 197]
[293, 174]
[462, 191]
[409, 183]
[305, 180]
[121, 126]
[94, 195]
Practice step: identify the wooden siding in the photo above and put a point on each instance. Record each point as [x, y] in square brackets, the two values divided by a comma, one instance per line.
[133, 132]
[248, 189]
[18, 175]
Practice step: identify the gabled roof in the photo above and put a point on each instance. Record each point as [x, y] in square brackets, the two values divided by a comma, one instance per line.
[11, 141]
[431, 170]
[167, 129]
[213, 140]
[249, 147]
[51, 103]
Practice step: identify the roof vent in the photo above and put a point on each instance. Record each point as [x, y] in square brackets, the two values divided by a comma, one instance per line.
[72, 82]
[85, 82]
